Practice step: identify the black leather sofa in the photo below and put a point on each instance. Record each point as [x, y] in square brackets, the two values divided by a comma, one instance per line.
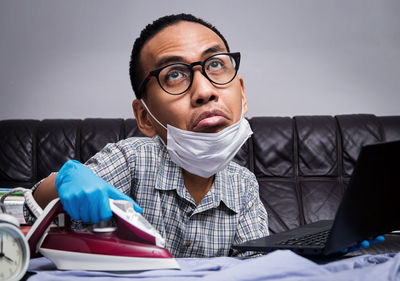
[302, 164]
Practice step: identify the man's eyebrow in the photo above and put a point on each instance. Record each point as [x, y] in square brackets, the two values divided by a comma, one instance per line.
[213, 50]
[167, 60]
[171, 59]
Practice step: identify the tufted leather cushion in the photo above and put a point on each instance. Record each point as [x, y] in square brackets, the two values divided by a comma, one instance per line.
[302, 164]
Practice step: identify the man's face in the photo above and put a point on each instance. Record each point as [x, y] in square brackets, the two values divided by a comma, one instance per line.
[205, 107]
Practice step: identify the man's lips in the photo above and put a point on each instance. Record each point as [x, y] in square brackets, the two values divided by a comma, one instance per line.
[210, 119]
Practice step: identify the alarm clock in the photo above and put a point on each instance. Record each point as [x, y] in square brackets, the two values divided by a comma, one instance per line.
[14, 249]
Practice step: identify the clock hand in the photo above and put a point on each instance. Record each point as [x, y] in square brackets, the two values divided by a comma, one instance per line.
[7, 258]
[2, 255]
[1, 243]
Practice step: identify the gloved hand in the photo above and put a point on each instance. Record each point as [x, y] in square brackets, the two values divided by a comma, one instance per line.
[364, 244]
[84, 195]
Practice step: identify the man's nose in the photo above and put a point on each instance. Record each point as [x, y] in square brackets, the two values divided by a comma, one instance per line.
[202, 89]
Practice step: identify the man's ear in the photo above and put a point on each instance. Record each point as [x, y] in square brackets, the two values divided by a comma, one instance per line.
[244, 99]
[143, 119]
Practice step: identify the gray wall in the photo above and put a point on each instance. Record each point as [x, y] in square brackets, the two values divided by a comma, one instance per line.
[69, 59]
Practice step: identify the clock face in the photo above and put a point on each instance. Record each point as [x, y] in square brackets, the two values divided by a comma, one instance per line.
[13, 253]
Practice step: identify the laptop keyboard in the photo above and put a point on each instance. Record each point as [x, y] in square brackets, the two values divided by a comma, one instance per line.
[314, 239]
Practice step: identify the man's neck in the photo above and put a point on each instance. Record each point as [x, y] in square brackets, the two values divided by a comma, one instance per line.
[197, 186]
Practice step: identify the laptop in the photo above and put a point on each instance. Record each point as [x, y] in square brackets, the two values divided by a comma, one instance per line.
[370, 207]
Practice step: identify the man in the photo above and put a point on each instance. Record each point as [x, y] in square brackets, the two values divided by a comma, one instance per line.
[190, 103]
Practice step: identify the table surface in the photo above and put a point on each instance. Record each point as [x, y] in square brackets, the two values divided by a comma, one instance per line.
[378, 262]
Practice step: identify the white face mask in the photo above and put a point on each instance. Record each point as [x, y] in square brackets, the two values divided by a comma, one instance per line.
[205, 154]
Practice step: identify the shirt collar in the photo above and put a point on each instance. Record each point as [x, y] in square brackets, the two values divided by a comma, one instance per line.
[223, 189]
[170, 177]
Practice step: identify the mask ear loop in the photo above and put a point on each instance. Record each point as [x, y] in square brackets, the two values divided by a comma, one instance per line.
[242, 115]
[148, 110]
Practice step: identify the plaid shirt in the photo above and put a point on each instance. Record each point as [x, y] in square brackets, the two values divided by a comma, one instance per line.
[231, 212]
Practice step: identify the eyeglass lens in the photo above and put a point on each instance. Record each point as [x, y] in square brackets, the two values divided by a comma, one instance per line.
[177, 78]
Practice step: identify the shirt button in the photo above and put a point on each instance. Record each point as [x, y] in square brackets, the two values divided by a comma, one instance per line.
[188, 243]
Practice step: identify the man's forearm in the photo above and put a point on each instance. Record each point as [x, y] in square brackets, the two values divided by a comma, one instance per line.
[46, 191]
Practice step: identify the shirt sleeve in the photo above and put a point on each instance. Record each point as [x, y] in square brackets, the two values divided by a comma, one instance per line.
[253, 221]
[112, 163]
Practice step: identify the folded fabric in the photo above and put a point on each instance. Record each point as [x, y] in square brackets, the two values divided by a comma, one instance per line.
[278, 265]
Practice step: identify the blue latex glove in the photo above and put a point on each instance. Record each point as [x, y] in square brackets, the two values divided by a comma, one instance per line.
[364, 244]
[84, 195]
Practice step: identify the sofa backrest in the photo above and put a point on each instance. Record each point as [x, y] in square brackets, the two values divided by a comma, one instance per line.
[302, 163]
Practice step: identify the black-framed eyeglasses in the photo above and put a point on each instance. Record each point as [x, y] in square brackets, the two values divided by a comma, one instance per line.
[176, 78]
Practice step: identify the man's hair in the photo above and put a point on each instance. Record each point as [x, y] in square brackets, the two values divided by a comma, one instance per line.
[135, 68]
